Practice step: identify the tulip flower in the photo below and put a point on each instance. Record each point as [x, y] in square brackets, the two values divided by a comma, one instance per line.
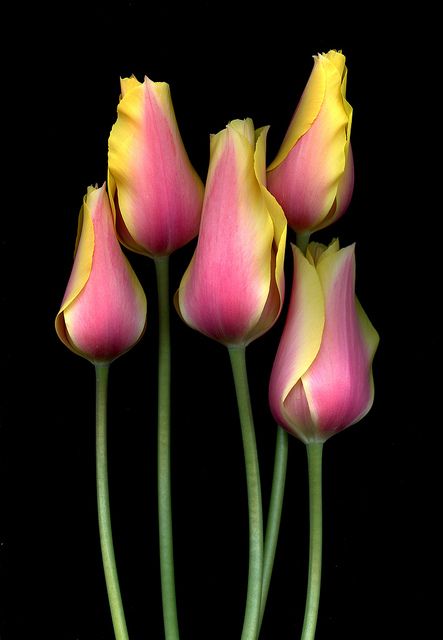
[233, 288]
[233, 292]
[321, 381]
[312, 175]
[156, 192]
[157, 197]
[103, 312]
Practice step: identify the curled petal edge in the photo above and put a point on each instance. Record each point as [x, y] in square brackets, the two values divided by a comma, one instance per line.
[83, 254]
[302, 335]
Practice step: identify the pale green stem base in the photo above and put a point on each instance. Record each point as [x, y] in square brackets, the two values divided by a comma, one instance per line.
[274, 514]
[253, 597]
[314, 451]
[104, 517]
[302, 240]
[163, 454]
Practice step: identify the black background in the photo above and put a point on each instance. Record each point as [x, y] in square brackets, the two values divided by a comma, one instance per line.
[222, 61]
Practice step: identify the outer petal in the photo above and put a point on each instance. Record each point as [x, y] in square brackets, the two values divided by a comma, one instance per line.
[344, 191]
[306, 112]
[299, 344]
[226, 286]
[371, 339]
[84, 251]
[306, 175]
[103, 312]
[345, 186]
[338, 384]
[158, 193]
[274, 302]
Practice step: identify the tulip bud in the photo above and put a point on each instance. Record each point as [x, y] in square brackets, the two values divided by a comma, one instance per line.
[312, 175]
[103, 312]
[156, 193]
[321, 381]
[233, 288]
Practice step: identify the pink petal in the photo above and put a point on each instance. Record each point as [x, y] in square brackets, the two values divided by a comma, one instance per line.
[108, 315]
[158, 193]
[338, 385]
[225, 289]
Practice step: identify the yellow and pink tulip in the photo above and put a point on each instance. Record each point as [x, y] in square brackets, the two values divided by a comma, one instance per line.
[156, 192]
[321, 381]
[312, 175]
[103, 312]
[233, 288]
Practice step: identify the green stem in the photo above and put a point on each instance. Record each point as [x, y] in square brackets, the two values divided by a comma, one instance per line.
[314, 451]
[274, 514]
[164, 455]
[104, 518]
[253, 597]
[302, 240]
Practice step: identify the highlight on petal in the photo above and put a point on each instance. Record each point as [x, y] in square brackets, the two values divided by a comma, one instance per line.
[156, 193]
[103, 313]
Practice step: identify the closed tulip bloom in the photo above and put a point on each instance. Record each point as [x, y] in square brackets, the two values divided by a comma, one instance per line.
[103, 312]
[321, 381]
[156, 192]
[233, 288]
[312, 175]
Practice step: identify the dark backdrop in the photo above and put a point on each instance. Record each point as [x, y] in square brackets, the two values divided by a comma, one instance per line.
[222, 61]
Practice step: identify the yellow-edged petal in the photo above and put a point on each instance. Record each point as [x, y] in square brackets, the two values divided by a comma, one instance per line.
[309, 313]
[103, 313]
[301, 338]
[307, 111]
[338, 386]
[312, 175]
[84, 251]
[152, 183]
[227, 285]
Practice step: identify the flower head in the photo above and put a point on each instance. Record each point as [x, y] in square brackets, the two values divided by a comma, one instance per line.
[103, 312]
[233, 288]
[321, 381]
[156, 193]
[312, 175]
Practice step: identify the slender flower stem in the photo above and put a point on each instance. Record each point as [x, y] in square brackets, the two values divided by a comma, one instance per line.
[253, 597]
[164, 455]
[104, 518]
[314, 451]
[302, 240]
[274, 514]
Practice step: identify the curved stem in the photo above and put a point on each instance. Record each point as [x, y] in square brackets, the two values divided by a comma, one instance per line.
[253, 596]
[274, 515]
[164, 455]
[104, 518]
[314, 451]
